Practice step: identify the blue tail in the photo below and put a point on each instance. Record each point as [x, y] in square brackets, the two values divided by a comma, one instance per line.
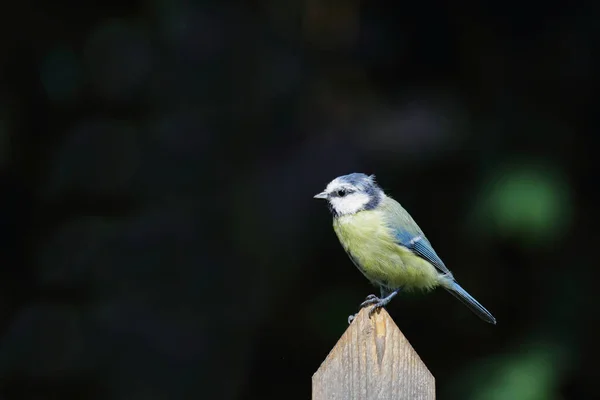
[470, 302]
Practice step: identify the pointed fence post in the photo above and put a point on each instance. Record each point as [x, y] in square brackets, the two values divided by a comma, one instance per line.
[373, 361]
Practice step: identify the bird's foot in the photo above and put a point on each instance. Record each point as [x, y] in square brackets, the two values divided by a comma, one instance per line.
[371, 299]
[377, 305]
[351, 318]
[376, 302]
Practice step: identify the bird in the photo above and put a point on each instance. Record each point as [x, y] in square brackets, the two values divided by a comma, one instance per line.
[386, 244]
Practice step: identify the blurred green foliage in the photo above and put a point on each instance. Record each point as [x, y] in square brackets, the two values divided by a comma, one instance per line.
[529, 202]
[530, 372]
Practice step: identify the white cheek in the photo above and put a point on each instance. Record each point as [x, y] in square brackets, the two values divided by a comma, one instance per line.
[350, 204]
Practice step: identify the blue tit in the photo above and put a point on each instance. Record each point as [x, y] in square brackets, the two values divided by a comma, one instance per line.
[386, 244]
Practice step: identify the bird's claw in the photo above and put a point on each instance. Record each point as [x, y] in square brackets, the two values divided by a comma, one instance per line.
[371, 312]
[376, 302]
[375, 309]
[371, 299]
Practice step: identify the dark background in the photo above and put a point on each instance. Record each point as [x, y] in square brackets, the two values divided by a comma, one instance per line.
[158, 161]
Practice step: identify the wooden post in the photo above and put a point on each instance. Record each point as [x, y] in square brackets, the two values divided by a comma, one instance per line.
[373, 361]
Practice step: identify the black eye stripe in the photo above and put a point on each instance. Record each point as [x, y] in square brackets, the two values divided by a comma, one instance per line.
[343, 192]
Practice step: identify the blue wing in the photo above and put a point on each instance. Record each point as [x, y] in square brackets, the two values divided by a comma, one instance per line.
[419, 245]
[409, 235]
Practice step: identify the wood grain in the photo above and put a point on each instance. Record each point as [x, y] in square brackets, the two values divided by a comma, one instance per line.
[373, 361]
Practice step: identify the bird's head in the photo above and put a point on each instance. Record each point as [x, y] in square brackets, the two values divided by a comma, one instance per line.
[349, 194]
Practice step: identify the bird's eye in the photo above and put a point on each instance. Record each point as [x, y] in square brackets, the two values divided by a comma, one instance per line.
[341, 192]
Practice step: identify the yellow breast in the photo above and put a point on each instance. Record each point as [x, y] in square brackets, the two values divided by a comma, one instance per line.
[373, 247]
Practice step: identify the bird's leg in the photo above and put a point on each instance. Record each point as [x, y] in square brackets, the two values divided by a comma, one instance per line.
[377, 302]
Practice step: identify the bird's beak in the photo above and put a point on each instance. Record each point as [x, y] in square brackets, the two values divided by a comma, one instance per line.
[321, 195]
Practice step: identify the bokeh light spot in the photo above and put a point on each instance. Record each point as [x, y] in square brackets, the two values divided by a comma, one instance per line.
[530, 202]
[529, 375]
